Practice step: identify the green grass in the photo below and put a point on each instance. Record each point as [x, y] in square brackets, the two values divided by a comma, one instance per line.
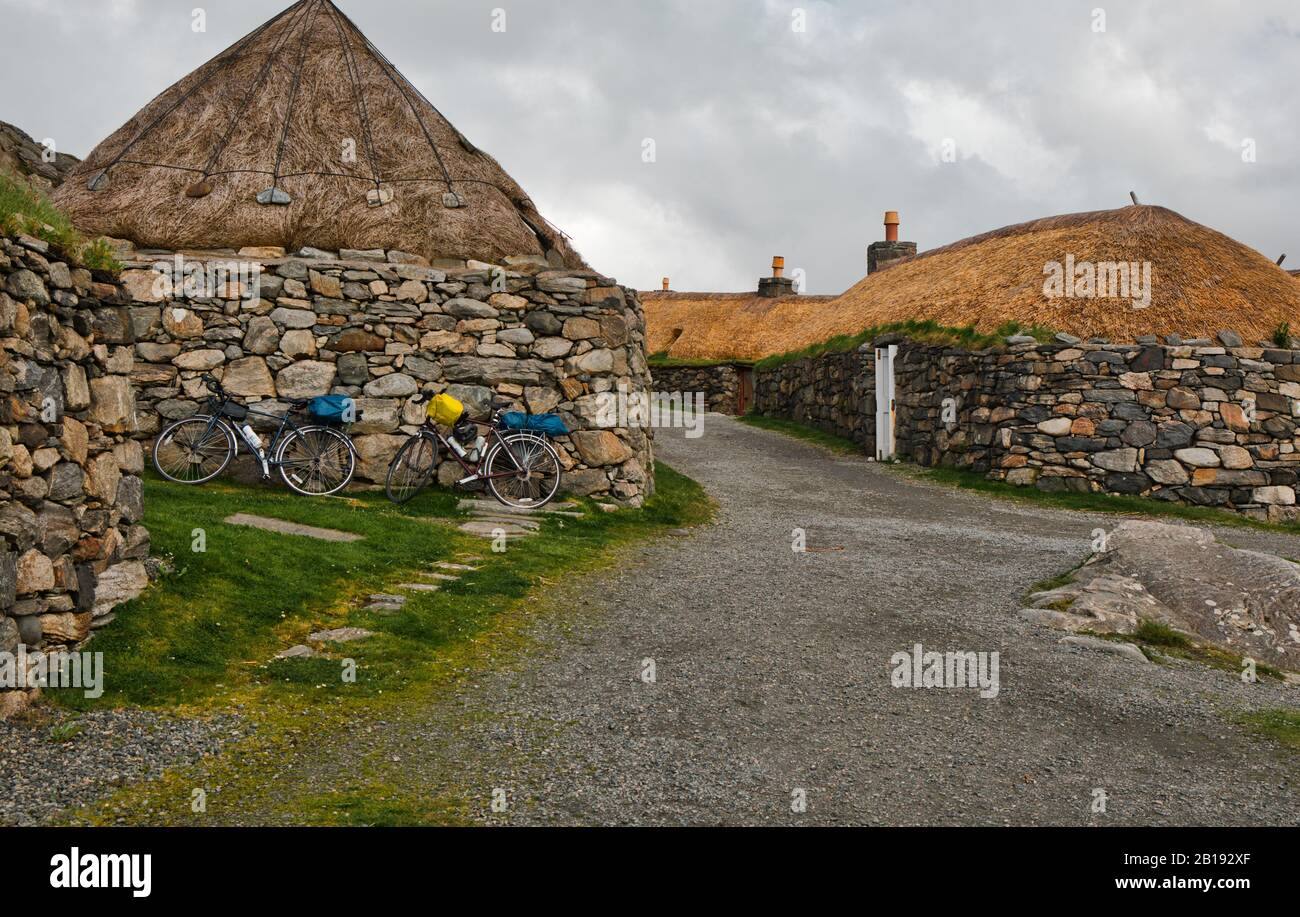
[25, 210]
[1280, 725]
[1155, 639]
[1154, 633]
[376, 804]
[1093, 502]
[299, 708]
[1282, 335]
[927, 332]
[837, 444]
[1054, 582]
[662, 360]
[206, 632]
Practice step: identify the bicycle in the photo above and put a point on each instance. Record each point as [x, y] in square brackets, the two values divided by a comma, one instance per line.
[521, 469]
[313, 459]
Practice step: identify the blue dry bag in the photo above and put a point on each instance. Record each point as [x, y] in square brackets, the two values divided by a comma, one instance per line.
[333, 409]
[550, 424]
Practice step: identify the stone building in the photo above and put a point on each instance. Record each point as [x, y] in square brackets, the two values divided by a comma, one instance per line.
[1115, 274]
[390, 254]
[295, 224]
[703, 342]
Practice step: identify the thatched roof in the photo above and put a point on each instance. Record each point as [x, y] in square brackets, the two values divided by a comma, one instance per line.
[1201, 282]
[716, 326]
[276, 110]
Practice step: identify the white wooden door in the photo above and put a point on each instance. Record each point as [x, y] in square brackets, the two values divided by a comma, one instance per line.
[885, 402]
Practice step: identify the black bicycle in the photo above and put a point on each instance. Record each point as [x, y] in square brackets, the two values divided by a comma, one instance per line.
[314, 458]
[519, 467]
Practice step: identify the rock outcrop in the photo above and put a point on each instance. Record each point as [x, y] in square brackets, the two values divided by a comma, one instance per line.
[23, 157]
[1183, 577]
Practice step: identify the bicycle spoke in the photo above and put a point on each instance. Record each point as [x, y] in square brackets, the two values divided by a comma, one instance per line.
[316, 461]
[192, 450]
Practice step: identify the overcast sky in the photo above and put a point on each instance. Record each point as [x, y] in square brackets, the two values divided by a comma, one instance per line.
[778, 128]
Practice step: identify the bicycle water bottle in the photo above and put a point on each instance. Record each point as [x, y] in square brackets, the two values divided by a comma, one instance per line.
[254, 441]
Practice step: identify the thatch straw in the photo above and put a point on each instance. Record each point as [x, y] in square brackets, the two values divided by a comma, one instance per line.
[722, 326]
[277, 108]
[1201, 282]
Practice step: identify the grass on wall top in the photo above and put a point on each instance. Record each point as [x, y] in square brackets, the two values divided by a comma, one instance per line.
[26, 211]
[927, 332]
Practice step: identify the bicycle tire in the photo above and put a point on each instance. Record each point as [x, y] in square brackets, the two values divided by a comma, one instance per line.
[319, 461]
[400, 492]
[168, 438]
[522, 494]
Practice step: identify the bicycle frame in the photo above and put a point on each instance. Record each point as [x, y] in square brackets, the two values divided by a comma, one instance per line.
[472, 469]
[264, 456]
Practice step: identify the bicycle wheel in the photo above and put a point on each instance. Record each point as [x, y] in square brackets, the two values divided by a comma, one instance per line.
[316, 461]
[412, 468]
[193, 449]
[524, 472]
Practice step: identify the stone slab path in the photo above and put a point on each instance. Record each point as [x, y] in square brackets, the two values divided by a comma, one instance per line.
[282, 527]
[772, 674]
[491, 519]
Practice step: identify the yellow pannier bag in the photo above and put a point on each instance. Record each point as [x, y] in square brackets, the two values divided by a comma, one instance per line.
[445, 409]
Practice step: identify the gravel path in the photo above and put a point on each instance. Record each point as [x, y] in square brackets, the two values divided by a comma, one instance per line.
[772, 674]
[51, 760]
[772, 681]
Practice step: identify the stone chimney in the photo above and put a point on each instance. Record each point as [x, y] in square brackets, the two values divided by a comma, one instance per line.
[665, 284]
[776, 285]
[882, 254]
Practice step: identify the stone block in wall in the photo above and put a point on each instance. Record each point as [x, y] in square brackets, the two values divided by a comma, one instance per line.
[117, 584]
[601, 447]
[376, 452]
[112, 403]
[305, 379]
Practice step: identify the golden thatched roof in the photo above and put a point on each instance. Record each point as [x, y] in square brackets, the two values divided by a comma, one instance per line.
[307, 105]
[716, 326]
[1201, 282]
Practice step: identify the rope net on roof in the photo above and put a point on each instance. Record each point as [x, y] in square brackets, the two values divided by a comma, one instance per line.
[305, 102]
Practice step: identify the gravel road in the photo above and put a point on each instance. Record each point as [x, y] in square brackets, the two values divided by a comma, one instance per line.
[772, 687]
[772, 674]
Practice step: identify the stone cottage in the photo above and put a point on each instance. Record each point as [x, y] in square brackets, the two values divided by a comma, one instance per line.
[707, 342]
[297, 218]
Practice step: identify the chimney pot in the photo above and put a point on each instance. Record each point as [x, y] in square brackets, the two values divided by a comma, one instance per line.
[891, 225]
[665, 284]
[882, 254]
[776, 285]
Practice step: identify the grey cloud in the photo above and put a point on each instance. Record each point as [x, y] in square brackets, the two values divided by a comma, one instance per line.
[768, 141]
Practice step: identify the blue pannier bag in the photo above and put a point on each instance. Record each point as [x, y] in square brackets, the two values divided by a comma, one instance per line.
[333, 409]
[550, 424]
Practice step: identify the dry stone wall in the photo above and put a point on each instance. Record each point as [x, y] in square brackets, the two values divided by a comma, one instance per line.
[720, 384]
[1197, 422]
[382, 326]
[71, 542]
[834, 392]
